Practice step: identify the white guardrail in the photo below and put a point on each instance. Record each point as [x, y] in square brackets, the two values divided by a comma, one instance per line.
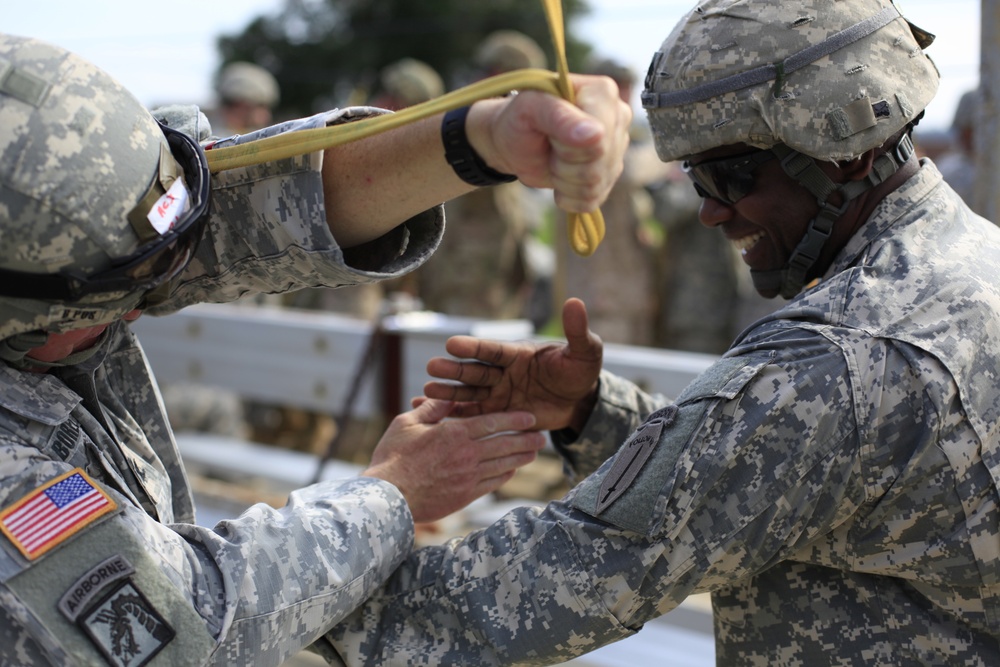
[308, 359]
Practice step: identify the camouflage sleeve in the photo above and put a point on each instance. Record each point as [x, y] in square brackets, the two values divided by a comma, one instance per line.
[741, 472]
[621, 408]
[253, 590]
[268, 232]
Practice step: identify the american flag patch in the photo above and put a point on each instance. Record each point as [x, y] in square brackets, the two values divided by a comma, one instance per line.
[53, 512]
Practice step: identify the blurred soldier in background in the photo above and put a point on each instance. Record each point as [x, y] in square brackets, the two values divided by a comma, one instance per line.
[705, 297]
[958, 166]
[484, 271]
[621, 303]
[407, 82]
[698, 280]
[247, 95]
[507, 50]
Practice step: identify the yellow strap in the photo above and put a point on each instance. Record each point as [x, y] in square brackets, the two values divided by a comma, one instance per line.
[586, 229]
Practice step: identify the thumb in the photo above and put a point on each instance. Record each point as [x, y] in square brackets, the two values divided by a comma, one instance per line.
[431, 411]
[576, 328]
[567, 124]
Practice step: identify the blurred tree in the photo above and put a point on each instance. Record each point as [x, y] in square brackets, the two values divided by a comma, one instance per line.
[328, 53]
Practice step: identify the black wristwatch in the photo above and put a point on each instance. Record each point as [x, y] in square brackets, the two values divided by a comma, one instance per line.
[462, 157]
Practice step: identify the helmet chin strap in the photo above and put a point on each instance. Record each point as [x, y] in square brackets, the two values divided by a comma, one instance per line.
[14, 351]
[789, 281]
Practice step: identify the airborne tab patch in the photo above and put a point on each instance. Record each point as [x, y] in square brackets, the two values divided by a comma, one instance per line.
[92, 584]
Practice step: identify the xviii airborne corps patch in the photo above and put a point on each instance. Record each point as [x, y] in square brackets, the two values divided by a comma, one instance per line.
[126, 628]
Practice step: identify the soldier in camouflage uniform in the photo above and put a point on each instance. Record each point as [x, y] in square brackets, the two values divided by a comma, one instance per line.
[483, 271]
[621, 305]
[104, 214]
[958, 165]
[247, 95]
[833, 479]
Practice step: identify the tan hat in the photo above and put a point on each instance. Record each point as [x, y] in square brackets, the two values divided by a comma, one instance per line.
[247, 82]
[508, 50]
[411, 81]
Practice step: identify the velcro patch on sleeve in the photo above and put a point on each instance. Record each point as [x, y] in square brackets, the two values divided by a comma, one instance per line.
[632, 457]
[53, 512]
[126, 628]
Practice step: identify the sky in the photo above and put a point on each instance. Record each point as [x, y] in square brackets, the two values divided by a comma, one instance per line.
[172, 60]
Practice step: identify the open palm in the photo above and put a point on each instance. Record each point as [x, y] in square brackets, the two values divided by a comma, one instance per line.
[551, 380]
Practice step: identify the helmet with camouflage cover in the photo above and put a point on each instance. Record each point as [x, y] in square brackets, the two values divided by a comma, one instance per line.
[98, 203]
[809, 79]
[509, 50]
[828, 79]
[247, 82]
[411, 81]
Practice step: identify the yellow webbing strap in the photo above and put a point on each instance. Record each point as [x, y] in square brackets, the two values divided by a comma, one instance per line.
[586, 230]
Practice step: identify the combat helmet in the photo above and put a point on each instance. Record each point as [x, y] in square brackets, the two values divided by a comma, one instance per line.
[810, 80]
[411, 81]
[99, 203]
[247, 82]
[509, 50]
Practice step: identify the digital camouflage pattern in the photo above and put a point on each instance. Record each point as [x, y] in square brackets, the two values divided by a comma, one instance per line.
[832, 481]
[255, 589]
[832, 107]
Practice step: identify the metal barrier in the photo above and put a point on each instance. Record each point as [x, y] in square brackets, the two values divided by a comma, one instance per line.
[308, 359]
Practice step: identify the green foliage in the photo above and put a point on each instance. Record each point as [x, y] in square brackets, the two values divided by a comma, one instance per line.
[328, 53]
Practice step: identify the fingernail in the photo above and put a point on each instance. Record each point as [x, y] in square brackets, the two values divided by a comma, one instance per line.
[585, 130]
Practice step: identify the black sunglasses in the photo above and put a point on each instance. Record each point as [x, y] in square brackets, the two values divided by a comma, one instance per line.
[153, 265]
[727, 179]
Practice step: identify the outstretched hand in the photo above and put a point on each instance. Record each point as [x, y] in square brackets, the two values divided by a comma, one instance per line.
[557, 382]
[441, 465]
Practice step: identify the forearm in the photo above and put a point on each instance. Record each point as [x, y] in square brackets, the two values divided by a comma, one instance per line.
[300, 569]
[516, 593]
[375, 184]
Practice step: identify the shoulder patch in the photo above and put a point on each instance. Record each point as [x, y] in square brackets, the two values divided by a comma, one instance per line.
[54, 512]
[632, 457]
[126, 628]
[92, 584]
